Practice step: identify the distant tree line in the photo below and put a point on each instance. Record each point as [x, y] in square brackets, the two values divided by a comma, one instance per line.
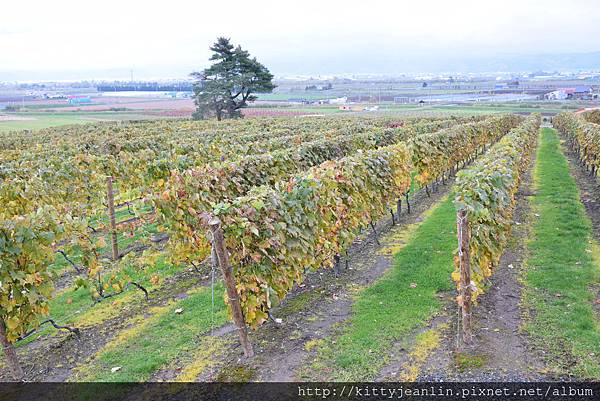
[319, 87]
[145, 86]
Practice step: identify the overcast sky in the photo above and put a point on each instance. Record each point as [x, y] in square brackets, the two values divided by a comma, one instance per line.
[170, 38]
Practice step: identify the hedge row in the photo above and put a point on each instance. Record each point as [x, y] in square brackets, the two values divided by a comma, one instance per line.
[583, 137]
[214, 183]
[487, 192]
[436, 153]
[275, 234]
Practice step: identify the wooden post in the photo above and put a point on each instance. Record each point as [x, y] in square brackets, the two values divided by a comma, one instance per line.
[399, 207]
[375, 233]
[465, 273]
[232, 295]
[10, 354]
[336, 265]
[111, 217]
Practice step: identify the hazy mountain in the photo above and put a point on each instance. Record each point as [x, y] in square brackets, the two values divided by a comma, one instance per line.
[547, 62]
[373, 62]
[365, 61]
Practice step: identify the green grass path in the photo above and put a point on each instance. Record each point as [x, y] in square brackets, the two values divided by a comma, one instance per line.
[392, 308]
[561, 269]
[156, 341]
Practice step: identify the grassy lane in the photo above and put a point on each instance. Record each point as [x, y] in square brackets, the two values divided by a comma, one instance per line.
[404, 299]
[153, 342]
[562, 269]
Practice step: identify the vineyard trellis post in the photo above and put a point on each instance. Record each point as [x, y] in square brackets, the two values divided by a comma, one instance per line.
[111, 216]
[465, 273]
[232, 295]
[10, 354]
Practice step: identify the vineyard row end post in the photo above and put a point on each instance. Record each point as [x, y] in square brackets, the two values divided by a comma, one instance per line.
[232, 295]
[10, 354]
[465, 273]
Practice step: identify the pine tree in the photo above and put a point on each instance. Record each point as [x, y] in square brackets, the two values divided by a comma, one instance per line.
[227, 86]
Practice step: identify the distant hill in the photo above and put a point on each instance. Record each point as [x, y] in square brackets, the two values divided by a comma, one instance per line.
[546, 62]
[398, 62]
[368, 60]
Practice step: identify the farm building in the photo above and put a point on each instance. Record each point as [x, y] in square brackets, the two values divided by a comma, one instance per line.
[581, 92]
[556, 95]
[339, 100]
[577, 92]
[401, 99]
[75, 100]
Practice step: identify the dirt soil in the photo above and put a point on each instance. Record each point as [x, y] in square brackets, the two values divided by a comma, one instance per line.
[499, 351]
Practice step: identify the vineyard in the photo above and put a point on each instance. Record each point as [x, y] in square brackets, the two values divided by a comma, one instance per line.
[278, 249]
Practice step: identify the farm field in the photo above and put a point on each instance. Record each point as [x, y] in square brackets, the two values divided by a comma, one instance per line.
[36, 121]
[179, 250]
[48, 114]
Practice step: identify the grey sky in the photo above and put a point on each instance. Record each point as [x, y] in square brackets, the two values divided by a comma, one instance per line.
[170, 38]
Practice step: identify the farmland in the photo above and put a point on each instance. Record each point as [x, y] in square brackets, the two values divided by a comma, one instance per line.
[41, 114]
[303, 248]
[294, 97]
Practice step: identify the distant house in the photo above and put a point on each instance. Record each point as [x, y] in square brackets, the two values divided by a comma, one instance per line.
[556, 95]
[582, 92]
[339, 100]
[75, 100]
[578, 92]
[401, 99]
[575, 93]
